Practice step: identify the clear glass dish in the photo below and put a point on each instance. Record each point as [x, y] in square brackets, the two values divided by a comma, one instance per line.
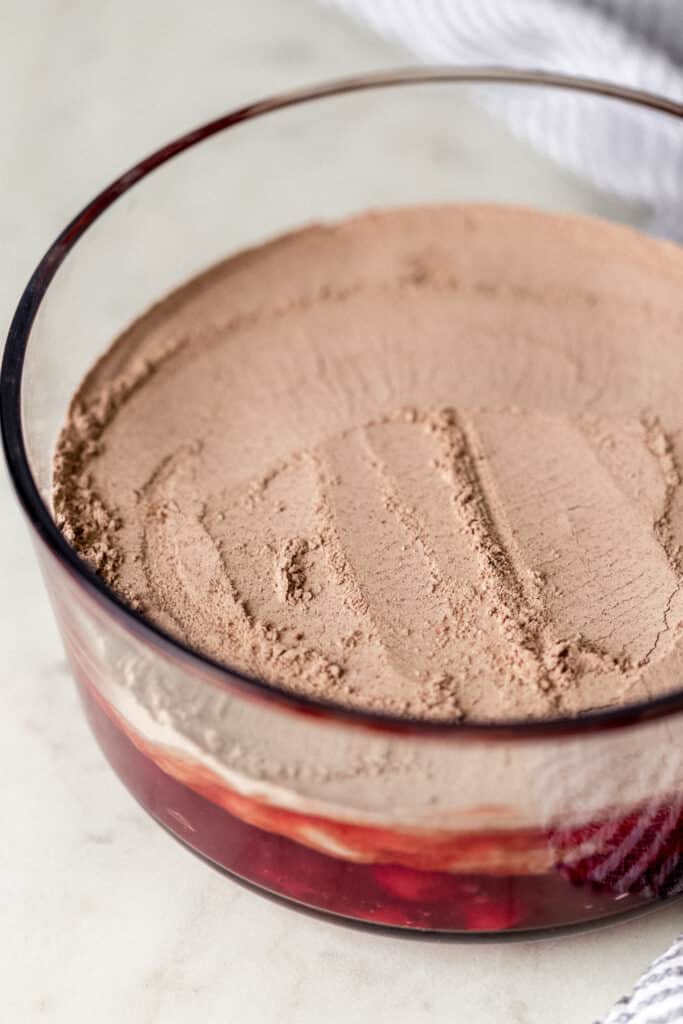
[493, 828]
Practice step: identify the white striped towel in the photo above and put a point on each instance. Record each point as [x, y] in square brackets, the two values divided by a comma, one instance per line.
[658, 997]
[634, 42]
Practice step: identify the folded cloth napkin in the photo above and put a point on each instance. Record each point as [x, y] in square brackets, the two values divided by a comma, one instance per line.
[638, 43]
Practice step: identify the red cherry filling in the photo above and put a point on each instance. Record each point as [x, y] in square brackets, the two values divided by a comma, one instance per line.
[641, 852]
[417, 886]
[631, 859]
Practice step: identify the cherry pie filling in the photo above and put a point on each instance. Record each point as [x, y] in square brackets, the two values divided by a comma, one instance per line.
[597, 870]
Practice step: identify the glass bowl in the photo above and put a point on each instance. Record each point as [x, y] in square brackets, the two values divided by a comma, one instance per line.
[490, 828]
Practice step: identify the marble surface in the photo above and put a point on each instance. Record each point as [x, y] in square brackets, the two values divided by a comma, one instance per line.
[102, 917]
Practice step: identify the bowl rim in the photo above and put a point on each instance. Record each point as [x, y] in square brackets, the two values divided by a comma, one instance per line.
[38, 513]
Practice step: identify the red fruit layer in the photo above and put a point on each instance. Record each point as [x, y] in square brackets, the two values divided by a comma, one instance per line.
[388, 893]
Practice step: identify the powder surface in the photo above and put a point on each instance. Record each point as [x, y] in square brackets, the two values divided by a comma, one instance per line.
[427, 461]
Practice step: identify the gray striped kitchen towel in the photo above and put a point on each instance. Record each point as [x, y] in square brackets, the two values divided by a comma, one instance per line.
[634, 42]
[658, 997]
[638, 43]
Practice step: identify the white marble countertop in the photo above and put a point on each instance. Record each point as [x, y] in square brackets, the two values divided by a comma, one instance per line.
[102, 917]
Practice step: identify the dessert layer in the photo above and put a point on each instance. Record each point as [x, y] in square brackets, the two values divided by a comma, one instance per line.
[425, 462]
